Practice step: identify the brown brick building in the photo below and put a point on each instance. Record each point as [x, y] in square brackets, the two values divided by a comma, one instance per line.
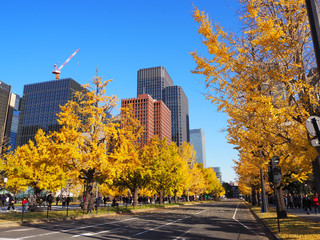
[155, 116]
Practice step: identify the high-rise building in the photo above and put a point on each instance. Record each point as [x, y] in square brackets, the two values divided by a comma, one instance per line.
[153, 115]
[13, 119]
[4, 107]
[40, 105]
[197, 139]
[158, 84]
[162, 121]
[177, 102]
[153, 81]
[218, 173]
[9, 104]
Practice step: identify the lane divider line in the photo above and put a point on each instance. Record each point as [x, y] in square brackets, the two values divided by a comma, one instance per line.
[183, 234]
[96, 233]
[234, 218]
[140, 233]
[150, 230]
[72, 229]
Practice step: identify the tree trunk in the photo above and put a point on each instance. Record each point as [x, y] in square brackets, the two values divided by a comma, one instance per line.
[135, 196]
[89, 201]
[175, 196]
[281, 205]
[254, 196]
[188, 197]
[161, 196]
[264, 207]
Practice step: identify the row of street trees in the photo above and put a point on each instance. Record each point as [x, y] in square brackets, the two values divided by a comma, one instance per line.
[263, 77]
[94, 148]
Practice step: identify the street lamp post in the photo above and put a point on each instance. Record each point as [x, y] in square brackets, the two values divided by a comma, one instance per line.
[5, 181]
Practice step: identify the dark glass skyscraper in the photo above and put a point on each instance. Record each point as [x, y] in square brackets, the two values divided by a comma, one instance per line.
[153, 81]
[40, 104]
[4, 104]
[158, 84]
[177, 101]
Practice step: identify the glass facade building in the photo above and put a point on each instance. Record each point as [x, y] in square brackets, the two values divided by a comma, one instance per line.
[177, 102]
[197, 139]
[13, 119]
[153, 81]
[218, 173]
[158, 84]
[40, 105]
[4, 106]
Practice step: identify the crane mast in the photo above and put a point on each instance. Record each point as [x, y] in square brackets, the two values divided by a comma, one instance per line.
[57, 71]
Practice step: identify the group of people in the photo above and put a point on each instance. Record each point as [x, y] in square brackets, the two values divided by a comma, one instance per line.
[31, 202]
[302, 201]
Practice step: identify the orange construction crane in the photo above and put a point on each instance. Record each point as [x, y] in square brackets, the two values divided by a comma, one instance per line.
[57, 71]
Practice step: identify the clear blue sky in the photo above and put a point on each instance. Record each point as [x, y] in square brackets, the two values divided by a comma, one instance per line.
[119, 37]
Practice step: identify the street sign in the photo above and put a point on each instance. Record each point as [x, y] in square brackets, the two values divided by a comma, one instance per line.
[310, 125]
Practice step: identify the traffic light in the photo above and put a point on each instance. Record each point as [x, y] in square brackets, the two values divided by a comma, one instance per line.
[274, 161]
[274, 171]
[277, 177]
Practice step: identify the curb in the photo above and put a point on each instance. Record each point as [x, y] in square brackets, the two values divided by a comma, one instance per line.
[270, 234]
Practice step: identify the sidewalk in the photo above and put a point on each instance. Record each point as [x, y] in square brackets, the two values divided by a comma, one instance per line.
[301, 213]
[18, 208]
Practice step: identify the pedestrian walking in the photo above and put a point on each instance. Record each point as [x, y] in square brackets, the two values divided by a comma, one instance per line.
[316, 203]
[68, 200]
[306, 203]
[24, 204]
[104, 200]
[290, 198]
[63, 199]
[38, 199]
[49, 200]
[3, 200]
[57, 200]
[10, 203]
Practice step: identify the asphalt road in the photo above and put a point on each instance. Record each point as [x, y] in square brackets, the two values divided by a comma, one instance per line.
[216, 220]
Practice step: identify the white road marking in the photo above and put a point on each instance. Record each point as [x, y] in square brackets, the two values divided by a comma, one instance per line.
[19, 230]
[9, 239]
[93, 233]
[140, 233]
[234, 218]
[183, 234]
[72, 229]
[200, 212]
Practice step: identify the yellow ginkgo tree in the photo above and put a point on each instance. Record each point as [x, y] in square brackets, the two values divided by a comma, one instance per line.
[87, 137]
[263, 77]
[34, 164]
[130, 173]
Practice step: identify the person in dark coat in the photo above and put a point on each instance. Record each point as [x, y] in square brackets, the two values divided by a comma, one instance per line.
[68, 200]
[306, 202]
[3, 200]
[49, 200]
